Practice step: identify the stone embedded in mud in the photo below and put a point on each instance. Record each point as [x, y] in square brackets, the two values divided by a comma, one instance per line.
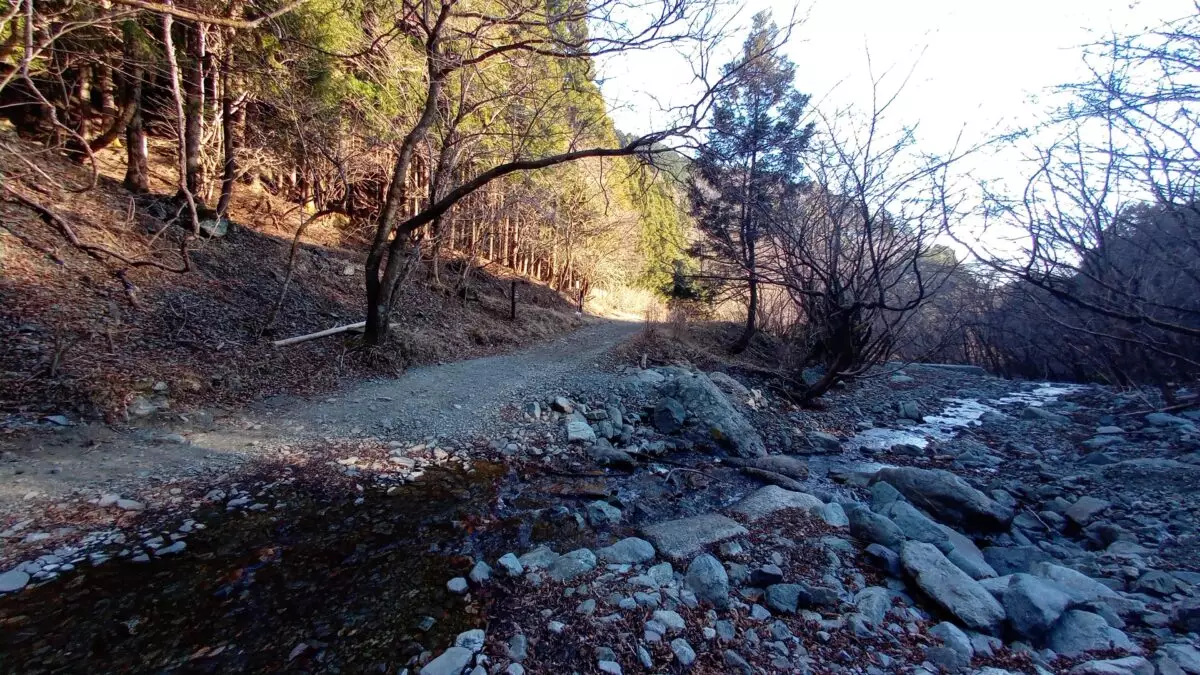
[683, 538]
[631, 550]
[948, 498]
[950, 587]
[453, 661]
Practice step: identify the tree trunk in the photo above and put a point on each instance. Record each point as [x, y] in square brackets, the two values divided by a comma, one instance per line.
[193, 89]
[751, 313]
[137, 170]
[230, 115]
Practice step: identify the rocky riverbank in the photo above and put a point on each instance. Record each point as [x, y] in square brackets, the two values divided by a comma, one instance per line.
[668, 520]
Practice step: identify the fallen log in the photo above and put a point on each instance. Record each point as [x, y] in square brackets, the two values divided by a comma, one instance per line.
[320, 334]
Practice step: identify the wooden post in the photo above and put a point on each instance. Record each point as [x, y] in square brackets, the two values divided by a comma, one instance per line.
[512, 313]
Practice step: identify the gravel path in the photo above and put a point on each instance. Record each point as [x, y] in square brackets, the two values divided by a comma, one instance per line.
[453, 399]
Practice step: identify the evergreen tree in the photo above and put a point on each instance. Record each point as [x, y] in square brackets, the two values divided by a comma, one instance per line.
[751, 158]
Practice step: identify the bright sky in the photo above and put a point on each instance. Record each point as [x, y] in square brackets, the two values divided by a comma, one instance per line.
[977, 62]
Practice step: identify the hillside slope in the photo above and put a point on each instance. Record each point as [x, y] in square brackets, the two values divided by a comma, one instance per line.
[87, 334]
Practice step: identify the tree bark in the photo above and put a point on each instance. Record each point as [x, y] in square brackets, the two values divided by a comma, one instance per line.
[230, 122]
[193, 89]
[137, 169]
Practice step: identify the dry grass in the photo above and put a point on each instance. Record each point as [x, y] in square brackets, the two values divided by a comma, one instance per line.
[88, 334]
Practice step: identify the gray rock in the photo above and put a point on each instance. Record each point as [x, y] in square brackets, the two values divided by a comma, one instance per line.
[670, 620]
[681, 539]
[888, 559]
[511, 565]
[601, 512]
[570, 565]
[518, 647]
[1033, 605]
[909, 410]
[1156, 582]
[767, 575]
[950, 587]
[631, 551]
[787, 597]
[1014, 559]
[834, 515]
[819, 442]
[976, 567]
[706, 577]
[683, 652]
[883, 495]
[578, 429]
[13, 580]
[562, 405]
[538, 558]
[735, 663]
[772, 498]
[1079, 587]
[472, 639]
[604, 454]
[1077, 632]
[873, 527]
[949, 498]
[668, 416]
[453, 661]
[533, 409]
[874, 602]
[729, 385]
[1038, 413]
[918, 526]
[954, 638]
[481, 572]
[1185, 656]
[1159, 419]
[609, 667]
[1085, 509]
[1129, 665]
[714, 417]
[457, 585]
[1185, 616]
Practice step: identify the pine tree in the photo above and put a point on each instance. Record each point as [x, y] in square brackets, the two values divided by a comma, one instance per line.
[751, 158]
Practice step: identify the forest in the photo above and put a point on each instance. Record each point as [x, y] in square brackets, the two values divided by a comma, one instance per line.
[440, 141]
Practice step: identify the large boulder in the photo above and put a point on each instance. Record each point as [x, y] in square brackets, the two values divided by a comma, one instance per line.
[873, 527]
[772, 498]
[916, 525]
[713, 417]
[683, 538]
[948, 498]
[950, 587]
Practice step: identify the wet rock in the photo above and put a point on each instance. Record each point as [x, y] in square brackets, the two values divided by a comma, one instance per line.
[706, 577]
[1077, 632]
[570, 565]
[949, 498]
[950, 587]
[631, 550]
[1033, 605]
[668, 416]
[713, 416]
[909, 410]
[819, 442]
[1085, 509]
[511, 564]
[681, 539]
[772, 498]
[873, 527]
[453, 661]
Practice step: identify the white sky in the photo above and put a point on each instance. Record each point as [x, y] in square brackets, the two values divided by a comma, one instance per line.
[978, 62]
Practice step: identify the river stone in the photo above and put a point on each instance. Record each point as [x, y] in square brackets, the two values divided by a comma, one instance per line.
[668, 416]
[706, 578]
[1033, 605]
[1085, 509]
[771, 498]
[13, 580]
[713, 416]
[631, 551]
[578, 429]
[950, 587]
[948, 498]
[1129, 665]
[872, 527]
[918, 526]
[787, 597]
[1078, 631]
[681, 539]
[570, 565]
[453, 661]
